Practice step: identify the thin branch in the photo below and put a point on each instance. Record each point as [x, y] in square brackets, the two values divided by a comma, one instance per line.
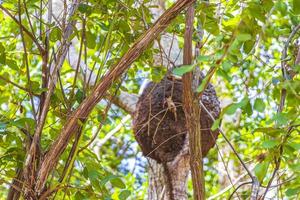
[283, 67]
[26, 60]
[41, 49]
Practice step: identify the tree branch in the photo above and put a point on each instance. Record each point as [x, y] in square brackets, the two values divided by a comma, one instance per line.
[192, 113]
[72, 124]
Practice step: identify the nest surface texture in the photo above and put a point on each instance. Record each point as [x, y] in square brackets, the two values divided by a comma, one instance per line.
[159, 120]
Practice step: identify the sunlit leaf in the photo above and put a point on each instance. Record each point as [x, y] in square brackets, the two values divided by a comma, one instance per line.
[179, 71]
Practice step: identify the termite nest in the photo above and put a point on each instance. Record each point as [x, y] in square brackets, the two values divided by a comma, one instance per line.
[159, 121]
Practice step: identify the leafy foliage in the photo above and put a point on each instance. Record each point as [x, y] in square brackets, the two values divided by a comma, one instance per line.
[243, 40]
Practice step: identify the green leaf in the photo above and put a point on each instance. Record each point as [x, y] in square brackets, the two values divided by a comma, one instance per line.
[296, 6]
[270, 131]
[124, 194]
[226, 65]
[90, 40]
[203, 84]
[267, 5]
[281, 119]
[292, 191]
[55, 34]
[79, 196]
[203, 58]
[248, 45]
[24, 123]
[85, 8]
[261, 170]
[268, 144]
[259, 105]
[295, 146]
[179, 71]
[216, 124]
[12, 64]
[231, 109]
[79, 96]
[243, 37]
[117, 182]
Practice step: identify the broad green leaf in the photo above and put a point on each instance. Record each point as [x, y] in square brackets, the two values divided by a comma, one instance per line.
[261, 170]
[268, 144]
[259, 105]
[179, 71]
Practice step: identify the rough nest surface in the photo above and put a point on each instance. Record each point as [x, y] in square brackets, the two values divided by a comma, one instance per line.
[160, 128]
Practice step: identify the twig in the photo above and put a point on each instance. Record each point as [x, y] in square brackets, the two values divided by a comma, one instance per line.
[229, 143]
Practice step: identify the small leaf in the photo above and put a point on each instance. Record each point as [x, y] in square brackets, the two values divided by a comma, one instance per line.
[79, 96]
[243, 37]
[90, 40]
[203, 84]
[216, 124]
[226, 65]
[179, 71]
[259, 105]
[124, 194]
[203, 58]
[55, 34]
[268, 144]
[261, 170]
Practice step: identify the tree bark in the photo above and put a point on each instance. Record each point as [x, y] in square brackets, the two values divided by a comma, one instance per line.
[192, 112]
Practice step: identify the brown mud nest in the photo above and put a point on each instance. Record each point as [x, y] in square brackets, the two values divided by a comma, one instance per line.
[159, 120]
